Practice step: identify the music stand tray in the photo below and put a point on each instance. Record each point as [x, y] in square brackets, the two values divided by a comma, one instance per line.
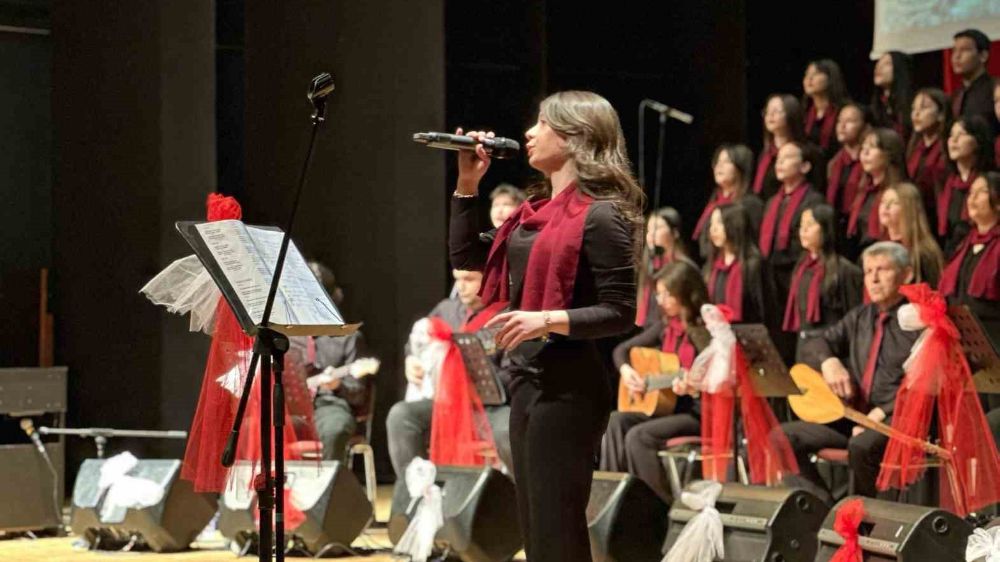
[979, 349]
[481, 369]
[768, 372]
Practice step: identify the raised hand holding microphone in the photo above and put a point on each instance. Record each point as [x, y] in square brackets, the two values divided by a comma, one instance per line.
[472, 165]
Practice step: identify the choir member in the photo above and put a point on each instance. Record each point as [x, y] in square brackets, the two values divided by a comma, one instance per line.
[972, 277]
[901, 214]
[970, 153]
[633, 440]
[732, 166]
[783, 122]
[893, 91]
[861, 357]
[824, 94]
[882, 160]
[663, 246]
[734, 269]
[996, 113]
[504, 200]
[927, 154]
[844, 172]
[825, 285]
[969, 55]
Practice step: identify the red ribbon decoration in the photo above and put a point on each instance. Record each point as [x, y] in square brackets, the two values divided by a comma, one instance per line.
[850, 514]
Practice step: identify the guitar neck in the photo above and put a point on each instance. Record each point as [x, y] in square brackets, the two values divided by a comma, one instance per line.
[665, 380]
[887, 430]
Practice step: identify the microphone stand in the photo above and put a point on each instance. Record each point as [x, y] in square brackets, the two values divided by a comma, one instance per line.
[271, 346]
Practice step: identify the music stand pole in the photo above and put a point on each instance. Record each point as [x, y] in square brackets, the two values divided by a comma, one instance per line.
[270, 347]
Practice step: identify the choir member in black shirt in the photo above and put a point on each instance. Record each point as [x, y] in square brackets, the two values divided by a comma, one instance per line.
[565, 261]
[893, 79]
[504, 200]
[901, 214]
[825, 285]
[970, 153]
[969, 55]
[844, 172]
[861, 358]
[882, 160]
[633, 440]
[663, 247]
[732, 169]
[927, 152]
[783, 122]
[824, 95]
[734, 270]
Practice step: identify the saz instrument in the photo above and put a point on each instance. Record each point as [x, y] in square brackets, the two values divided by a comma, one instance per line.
[658, 370]
[365, 366]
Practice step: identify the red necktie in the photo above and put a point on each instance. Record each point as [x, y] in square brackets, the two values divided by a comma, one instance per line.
[869, 375]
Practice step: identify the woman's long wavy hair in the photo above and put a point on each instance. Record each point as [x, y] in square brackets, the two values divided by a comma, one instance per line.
[917, 235]
[596, 145]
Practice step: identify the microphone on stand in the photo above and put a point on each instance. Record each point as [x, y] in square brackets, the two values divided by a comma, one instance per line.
[321, 86]
[497, 147]
[670, 112]
[29, 427]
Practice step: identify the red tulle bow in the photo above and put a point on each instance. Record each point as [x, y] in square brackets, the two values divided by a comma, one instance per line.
[850, 514]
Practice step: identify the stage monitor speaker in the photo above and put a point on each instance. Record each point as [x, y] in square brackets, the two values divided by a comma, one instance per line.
[626, 519]
[168, 526]
[480, 514]
[330, 497]
[27, 487]
[760, 523]
[900, 532]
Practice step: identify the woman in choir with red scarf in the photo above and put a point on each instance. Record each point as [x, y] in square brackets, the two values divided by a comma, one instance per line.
[825, 285]
[901, 214]
[732, 166]
[970, 153]
[844, 172]
[663, 247]
[893, 78]
[734, 271]
[883, 162]
[565, 261]
[927, 153]
[996, 112]
[823, 95]
[783, 122]
[633, 440]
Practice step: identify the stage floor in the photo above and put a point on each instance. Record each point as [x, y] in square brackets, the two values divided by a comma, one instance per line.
[375, 542]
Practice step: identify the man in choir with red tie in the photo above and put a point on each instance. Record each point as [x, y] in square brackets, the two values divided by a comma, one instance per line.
[861, 358]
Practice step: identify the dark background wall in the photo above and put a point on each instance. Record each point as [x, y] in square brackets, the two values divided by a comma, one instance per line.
[124, 119]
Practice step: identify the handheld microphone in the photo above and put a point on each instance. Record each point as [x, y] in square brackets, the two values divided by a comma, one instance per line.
[29, 427]
[665, 109]
[497, 147]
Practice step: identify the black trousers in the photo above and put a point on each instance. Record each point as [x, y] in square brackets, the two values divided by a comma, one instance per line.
[632, 443]
[556, 423]
[864, 453]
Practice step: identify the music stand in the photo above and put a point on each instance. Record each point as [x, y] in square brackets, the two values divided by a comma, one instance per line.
[480, 368]
[979, 349]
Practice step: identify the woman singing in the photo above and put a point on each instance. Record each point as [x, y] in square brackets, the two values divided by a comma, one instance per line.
[565, 260]
[663, 247]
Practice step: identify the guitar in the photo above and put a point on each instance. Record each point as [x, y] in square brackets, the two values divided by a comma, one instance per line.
[818, 404]
[363, 367]
[658, 370]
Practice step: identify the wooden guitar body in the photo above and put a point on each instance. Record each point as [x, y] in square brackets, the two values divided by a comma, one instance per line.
[656, 367]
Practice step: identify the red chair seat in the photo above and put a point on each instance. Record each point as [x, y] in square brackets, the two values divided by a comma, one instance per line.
[838, 456]
[682, 441]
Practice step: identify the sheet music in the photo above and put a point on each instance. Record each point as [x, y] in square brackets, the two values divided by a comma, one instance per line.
[247, 256]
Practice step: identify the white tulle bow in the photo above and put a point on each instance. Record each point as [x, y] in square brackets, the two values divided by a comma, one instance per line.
[983, 545]
[417, 541]
[185, 287]
[126, 491]
[711, 370]
[701, 540]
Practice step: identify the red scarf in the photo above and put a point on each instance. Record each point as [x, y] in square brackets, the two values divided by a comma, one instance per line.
[675, 340]
[868, 188]
[792, 322]
[460, 431]
[734, 285]
[551, 271]
[827, 124]
[953, 183]
[642, 307]
[769, 453]
[849, 516]
[938, 374]
[850, 188]
[717, 199]
[763, 165]
[771, 218]
[985, 282]
[926, 164]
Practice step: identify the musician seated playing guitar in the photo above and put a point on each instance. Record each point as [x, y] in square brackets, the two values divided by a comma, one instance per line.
[861, 359]
[633, 439]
